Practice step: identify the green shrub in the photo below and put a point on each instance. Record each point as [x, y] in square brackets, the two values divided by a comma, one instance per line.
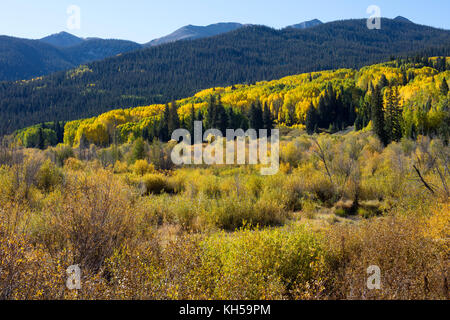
[233, 213]
[261, 264]
[156, 184]
[340, 212]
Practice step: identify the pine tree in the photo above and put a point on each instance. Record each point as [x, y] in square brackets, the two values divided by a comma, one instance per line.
[59, 131]
[174, 120]
[388, 115]
[163, 130]
[322, 111]
[192, 120]
[397, 131]
[221, 117]
[311, 119]
[444, 87]
[41, 139]
[404, 80]
[393, 128]
[256, 116]
[146, 134]
[383, 82]
[378, 115]
[210, 120]
[138, 151]
[267, 117]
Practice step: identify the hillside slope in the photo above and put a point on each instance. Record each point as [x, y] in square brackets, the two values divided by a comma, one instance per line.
[191, 32]
[340, 98]
[22, 59]
[306, 24]
[62, 39]
[176, 70]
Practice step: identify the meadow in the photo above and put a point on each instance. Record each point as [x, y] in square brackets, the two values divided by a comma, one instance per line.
[141, 228]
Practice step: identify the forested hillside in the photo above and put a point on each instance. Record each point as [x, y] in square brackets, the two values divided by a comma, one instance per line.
[25, 59]
[141, 227]
[397, 99]
[191, 32]
[62, 39]
[254, 53]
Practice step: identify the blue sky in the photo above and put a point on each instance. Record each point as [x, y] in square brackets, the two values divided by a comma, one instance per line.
[144, 20]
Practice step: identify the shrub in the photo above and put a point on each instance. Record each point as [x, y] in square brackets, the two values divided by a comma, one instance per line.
[156, 184]
[120, 167]
[92, 215]
[28, 272]
[410, 263]
[261, 264]
[60, 154]
[210, 187]
[233, 213]
[74, 164]
[48, 177]
[141, 167]
[340, 212]
[322, 189]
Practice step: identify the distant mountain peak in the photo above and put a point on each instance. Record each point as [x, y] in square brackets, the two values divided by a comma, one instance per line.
[402, 19]
[192, 32]
[306, 24]
[62, 39]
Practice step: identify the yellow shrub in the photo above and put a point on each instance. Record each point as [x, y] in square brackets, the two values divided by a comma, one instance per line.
[141, 167]
[439, 225]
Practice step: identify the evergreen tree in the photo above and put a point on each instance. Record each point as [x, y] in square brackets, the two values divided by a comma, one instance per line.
[388, 115]
[163, 130]
[393, 128]
[359, 122]
[267, 117]
[41, 139]
[378, 115]
[210, 113]
[174, 120]
[146, 134]
[59, 131]
[221, 117]
[444, 87]
[138, 151]
[397, 120]
[404, 80]
[311, 119]
[383, 82]
[192, 120]
[256, 116]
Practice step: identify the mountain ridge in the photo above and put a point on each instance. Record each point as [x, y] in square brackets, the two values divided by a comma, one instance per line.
[306, 24]
[62, 39]
[23, 59]
[192, 32]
